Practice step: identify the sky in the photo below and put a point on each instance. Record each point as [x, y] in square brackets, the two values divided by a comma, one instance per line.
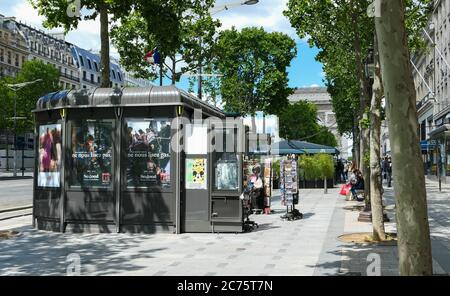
[304, 71]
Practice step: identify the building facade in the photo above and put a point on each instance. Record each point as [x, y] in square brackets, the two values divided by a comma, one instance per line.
[13, 47]
[55, 51]
[88, 64]
[320, 97]
[28, 43]
[431, 72]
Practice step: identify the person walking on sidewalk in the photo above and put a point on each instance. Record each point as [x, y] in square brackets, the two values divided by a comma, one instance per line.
[387, 169]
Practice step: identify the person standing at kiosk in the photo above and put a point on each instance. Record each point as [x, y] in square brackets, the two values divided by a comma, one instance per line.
[257, 190]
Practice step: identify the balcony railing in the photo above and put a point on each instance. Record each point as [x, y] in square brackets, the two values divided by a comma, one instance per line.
[71, 77]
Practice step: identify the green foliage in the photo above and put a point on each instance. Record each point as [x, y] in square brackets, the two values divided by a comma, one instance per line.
[61, 13]
[299, 122]
[28, 95]
[366, 160]
[183, 31]
[324, 137]
[55, 11]
[337, 28]
[325, 164]
[364, 123]
[309, 167]
[318, 166]
[254, 67]
[276, 169]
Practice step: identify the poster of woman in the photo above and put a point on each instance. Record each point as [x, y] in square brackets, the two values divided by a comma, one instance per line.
[49, 155]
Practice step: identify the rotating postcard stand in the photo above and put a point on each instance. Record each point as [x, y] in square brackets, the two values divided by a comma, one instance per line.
[289, 188]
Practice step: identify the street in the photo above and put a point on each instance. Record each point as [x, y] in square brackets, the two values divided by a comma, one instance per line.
[16, 193]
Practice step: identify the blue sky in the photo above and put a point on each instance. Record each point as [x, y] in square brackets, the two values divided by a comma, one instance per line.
[305, 71]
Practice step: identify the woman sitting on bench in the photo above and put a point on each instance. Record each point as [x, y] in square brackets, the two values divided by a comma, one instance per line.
[357, 182]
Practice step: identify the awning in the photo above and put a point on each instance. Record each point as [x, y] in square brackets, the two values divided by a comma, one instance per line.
[426, 145]
[440, 130]
[300, 147]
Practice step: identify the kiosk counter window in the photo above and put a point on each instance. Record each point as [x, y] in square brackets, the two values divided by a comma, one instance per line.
[91, 153]
[148, 152]
[226, 161]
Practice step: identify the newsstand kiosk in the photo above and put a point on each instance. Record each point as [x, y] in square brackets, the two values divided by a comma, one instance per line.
[136, 160]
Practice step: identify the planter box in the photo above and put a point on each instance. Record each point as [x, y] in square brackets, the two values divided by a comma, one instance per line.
[315, 184]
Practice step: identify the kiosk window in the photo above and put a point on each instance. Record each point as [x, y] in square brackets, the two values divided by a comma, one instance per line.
[91, 159]
[148, 152]
[225, 160]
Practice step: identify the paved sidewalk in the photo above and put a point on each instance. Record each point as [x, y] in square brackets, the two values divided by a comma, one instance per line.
[353, 259]
[303, 247]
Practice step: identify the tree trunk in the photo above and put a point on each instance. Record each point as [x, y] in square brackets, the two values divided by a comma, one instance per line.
[174, 70]
[104, 52]
[364, 104]
[325, 190]
[414, 245]
[364, 163]
[376, 186]
[356, 134]
[161, 73]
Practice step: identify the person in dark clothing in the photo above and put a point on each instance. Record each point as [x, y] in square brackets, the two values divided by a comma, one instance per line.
[358, 183]
[387, 170]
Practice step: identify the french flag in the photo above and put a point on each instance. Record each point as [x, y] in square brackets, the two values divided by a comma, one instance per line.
[153, 56]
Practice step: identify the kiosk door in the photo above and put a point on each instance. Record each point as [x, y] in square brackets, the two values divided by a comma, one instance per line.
[195, 202]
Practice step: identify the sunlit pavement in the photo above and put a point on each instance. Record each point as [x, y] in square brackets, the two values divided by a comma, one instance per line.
[303, 247]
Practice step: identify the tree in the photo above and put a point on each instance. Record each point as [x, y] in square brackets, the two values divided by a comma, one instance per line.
[326, 168]
[254, 68]
[376, 186]
[324, 137]
[64, 14]
[28, 96]
[411, 207]
[344, 33]
[183, 31]
[298, 121]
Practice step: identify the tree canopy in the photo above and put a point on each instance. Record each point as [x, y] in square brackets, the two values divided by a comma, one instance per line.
[299, 122]
[68, 15]
[254, 65]
[27, 96]
[183, 31]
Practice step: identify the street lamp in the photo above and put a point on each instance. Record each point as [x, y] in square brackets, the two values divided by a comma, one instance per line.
[213, 12]
[15, 88]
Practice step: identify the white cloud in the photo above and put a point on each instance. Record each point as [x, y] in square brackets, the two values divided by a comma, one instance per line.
[267, 14]
[24, 12]
[314, 85]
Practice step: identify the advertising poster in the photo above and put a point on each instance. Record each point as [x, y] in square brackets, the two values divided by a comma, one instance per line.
[196, 173]
[148, 153]
[91, 154]
[50, 139]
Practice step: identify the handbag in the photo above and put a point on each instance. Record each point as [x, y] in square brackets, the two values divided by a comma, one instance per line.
[345, 189]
